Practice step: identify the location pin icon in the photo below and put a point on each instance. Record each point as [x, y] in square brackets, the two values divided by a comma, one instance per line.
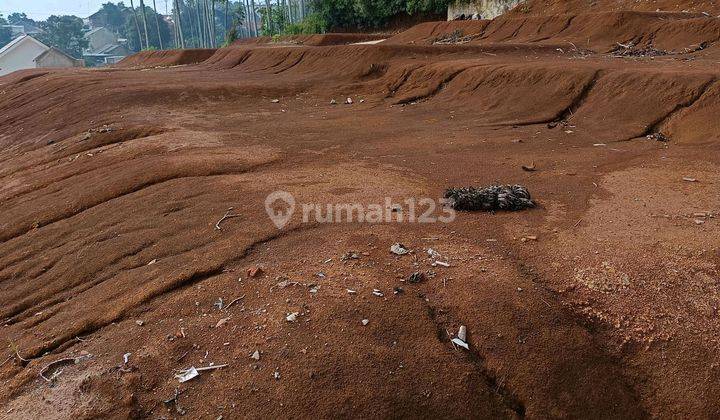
[280, 217]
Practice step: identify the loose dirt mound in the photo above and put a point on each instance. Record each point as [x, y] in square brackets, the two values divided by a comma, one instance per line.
[671, 32]
[560, 7]
[429, 33]
[312, 40]
[166, 58]
[131, 228]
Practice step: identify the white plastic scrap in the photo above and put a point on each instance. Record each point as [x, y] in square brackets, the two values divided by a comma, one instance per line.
[433, 254]
[193, 372]
[436, 257]
[461, 343]
[399, 249]
[292, 317]
[187, 375]
[462, 333]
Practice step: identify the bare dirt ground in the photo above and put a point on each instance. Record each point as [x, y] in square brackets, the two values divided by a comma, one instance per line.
[601, 302]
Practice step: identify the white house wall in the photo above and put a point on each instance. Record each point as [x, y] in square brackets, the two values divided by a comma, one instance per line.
[21, 57]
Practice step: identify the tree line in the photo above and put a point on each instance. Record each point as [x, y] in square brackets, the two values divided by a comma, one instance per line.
[212, 23]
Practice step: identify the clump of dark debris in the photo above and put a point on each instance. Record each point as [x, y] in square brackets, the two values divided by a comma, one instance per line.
[631, 50]
[492, 198]
[456, 37]
[658, 137]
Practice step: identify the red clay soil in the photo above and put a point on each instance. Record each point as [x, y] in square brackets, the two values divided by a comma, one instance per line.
[167, 58]
[312, 40]
[132, 205]
[559, 7]
[601, 32]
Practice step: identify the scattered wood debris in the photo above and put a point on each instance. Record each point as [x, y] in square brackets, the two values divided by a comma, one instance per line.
[228, 215]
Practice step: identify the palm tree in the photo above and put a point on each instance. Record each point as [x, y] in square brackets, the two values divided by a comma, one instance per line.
[268, 12]
[201, 37]
[248, 16]
[226, 18]
[157, 24]
[137, 24]
[178, 23]
[144, 18]
[254, 18]
[213, 28]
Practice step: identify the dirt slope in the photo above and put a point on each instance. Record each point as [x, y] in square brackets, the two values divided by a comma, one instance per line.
[559, 7]
[599, 32]
[169, 58]
[117, 260]
[317, 40]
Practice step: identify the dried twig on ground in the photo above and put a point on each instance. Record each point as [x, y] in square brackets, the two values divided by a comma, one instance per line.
[15, 350]
[456, 37]
[228, 215]
[6, 360]
[60, 362]
[630, 50]
[234, 302]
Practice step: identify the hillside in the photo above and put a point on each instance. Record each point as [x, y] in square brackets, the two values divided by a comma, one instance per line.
[136, 241]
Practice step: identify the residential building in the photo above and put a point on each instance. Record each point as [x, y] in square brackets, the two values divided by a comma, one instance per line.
[26, 52]
[104, 47]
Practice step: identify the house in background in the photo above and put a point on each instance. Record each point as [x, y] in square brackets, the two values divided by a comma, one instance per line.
[26, 52]
[98, 38]
[104, 47]
[23, 29]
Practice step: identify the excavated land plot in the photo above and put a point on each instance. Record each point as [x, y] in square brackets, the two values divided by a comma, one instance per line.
[600, 302]
[312, 40]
